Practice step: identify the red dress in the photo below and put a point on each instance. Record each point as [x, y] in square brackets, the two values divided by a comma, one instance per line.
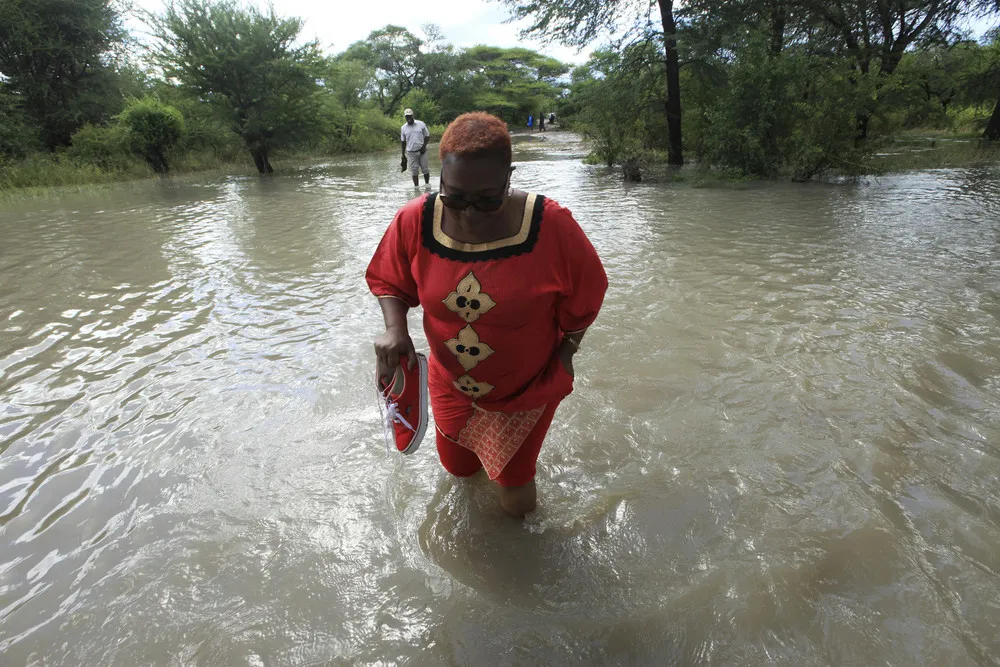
[494, 316]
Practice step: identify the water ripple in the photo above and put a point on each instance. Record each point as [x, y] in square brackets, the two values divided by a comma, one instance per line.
[783, 447]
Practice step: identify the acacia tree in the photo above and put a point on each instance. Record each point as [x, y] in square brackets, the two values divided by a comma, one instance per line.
[579, 22]
[245, 63]
[511, 82]
[880, 32]
[56, 60]
[616, 96]
[872, 35]
[394, 54]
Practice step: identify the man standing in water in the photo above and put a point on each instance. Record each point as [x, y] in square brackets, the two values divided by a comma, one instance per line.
[414, 137]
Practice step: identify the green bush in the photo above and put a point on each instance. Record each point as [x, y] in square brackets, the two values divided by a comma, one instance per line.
[437, 131]
[970, 120]
[58, 169]
[374, 131]
[791, 115]
[153, 130]
[204, 131]
[358, 130]
[616, 105]
[106, 148]
[423, 105]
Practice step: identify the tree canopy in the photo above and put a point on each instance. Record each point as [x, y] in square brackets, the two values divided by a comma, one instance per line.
[770, 86]
[57, 58]
[245, 63]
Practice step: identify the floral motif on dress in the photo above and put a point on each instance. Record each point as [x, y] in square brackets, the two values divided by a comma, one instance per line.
[468, 348]
[471, 388]
[469, 301]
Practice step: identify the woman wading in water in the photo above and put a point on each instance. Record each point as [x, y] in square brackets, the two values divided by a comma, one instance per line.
[509, 284]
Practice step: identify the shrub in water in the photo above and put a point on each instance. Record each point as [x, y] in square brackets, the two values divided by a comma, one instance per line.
[153, 129]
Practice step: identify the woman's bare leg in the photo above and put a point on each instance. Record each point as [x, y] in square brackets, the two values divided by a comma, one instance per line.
[518, 500]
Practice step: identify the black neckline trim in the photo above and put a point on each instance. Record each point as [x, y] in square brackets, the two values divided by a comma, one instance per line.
[443, 251]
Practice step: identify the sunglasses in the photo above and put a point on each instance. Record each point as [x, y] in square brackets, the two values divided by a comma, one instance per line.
[480, 203]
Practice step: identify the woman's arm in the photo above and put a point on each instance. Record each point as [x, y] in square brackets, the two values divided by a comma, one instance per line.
[570, 346]
[390, 278]
[585, 284]
[394, 313]
[395, 341]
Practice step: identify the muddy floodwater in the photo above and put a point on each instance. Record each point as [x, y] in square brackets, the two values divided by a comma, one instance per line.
[784, 447]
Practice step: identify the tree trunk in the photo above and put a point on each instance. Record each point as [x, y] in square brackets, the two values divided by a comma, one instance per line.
[992, 132]
[864, 120]
[157, 160]
[779, 16]
[864, 116]
[260, 159]
[675, 153]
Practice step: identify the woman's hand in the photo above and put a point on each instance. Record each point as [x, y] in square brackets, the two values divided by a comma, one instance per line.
[389, 347]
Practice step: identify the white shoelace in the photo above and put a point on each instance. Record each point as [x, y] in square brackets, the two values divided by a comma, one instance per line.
[391, 416]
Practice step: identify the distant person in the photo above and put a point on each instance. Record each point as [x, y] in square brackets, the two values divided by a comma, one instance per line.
[509, 283]
[541, 123]
[552, 119]
[531, 123]
[414, 136]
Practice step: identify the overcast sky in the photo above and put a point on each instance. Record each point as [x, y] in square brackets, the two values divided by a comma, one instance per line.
[339, 23]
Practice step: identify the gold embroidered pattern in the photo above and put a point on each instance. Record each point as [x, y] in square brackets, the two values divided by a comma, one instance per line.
[517, 239]
[468, 348]
[470, 387]
[468, 301]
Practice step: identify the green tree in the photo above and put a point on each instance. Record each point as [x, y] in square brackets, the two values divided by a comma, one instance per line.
[511, 83]
[710, 25]
[18, 135]
[932, 80]
[448, 84]
[347, 81]
[579, 22]
[617, 103]
[873, 36]
[393, 54]
[56, 57]
[794, 115]
[153, 130]
[987, 79]
[424, 106]
[876, 35]
[245, 63]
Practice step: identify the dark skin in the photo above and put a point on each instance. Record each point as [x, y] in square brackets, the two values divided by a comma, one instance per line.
[469, 178]
[423, 149]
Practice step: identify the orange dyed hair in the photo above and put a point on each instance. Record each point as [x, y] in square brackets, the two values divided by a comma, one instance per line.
[476, 134]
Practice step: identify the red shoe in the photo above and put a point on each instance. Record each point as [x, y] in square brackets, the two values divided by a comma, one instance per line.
[406, 405]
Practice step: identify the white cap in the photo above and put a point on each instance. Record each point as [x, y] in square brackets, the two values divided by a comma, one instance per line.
[408, 112]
